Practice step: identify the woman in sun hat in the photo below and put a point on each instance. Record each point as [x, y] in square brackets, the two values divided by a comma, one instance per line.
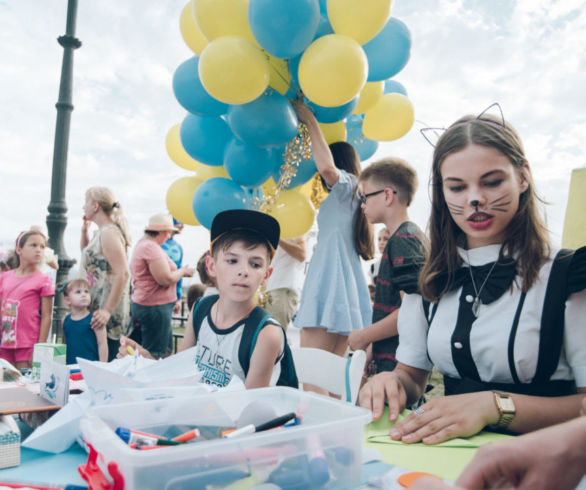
[154, 276]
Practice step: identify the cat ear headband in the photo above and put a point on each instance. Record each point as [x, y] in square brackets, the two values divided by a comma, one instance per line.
[432, 135]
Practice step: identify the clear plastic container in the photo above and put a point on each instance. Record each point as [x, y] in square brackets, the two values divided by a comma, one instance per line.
[324, 450]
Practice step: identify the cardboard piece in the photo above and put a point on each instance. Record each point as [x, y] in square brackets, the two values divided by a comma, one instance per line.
[47, 352]
[54, 385]
[21, 400]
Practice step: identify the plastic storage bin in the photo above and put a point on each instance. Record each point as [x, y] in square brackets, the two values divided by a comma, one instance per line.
[323, 451]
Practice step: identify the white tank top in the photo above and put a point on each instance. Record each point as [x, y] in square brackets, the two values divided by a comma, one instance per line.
[216, 354]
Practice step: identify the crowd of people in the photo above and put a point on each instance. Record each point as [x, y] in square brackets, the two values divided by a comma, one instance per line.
[483, 296]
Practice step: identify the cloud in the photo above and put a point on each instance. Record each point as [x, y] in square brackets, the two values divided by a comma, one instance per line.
[528, 55]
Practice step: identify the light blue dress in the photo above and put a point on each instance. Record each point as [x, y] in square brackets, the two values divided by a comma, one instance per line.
[335, 294]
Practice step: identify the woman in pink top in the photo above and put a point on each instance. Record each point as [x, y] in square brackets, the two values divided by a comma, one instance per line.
[154, 276]
[26, 299]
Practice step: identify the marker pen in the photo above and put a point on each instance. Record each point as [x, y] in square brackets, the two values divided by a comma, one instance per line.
[131, 437]
[187, 436]
[271, 424]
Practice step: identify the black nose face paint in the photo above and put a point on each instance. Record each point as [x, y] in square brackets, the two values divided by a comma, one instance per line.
[475, 204]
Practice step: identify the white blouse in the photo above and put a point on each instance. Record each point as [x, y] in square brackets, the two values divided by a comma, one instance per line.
[423, 347]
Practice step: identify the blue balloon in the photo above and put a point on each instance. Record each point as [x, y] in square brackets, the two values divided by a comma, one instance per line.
[267, 121]
[333, 114]
[353, 133]
[324, 27]
[394, 87]
[190, 92]
[248, 165]
[283, 28]
[205, 138]
[364, 147]
[305, 171]
[389, 51]
[294, 71]
[216, 195]
[323, 7]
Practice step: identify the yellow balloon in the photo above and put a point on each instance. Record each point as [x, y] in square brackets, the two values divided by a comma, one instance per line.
[217, 18]
[391, 118]
[280, 78]
[360, 20]
[179, 198]
[314, 190]
[191, 34]
[269, 187]
[294, 213]
[574, 235]
[176, 151]
[205, 172]
[369, 95]
[233, 70]
[333, 70]
[333, 132]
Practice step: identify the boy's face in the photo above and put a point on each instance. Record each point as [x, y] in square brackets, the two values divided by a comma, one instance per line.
[239, 271]
[376, 204]
[78, 296]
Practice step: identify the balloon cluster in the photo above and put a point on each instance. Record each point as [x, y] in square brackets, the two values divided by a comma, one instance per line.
[241, 136]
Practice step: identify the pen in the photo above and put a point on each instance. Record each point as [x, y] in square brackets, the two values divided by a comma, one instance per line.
[187, 436]
[271, 424]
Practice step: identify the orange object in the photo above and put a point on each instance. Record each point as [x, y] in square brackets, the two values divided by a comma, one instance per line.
[187, 436]
[407, 480]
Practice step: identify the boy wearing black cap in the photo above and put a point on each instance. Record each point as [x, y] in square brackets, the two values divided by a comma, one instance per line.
[232, 335]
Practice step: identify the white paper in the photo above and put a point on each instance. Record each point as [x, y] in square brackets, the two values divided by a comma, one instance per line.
[54, 385]
[131, 378]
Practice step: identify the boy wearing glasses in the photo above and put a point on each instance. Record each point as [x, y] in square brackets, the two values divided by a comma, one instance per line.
[386, 189]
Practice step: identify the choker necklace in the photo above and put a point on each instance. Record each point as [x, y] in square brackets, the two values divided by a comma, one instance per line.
[476, 304]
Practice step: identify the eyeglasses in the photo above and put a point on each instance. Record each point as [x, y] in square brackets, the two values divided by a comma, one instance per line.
[363, 197]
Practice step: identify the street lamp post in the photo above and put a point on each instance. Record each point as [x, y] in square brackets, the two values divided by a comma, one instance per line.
[57, 217]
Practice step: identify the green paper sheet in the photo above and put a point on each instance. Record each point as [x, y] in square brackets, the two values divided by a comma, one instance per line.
[446, 460]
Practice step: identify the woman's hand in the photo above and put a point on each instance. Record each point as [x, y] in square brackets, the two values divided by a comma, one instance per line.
[447, 417]
[303, 112]
[380, 388]
[100, 319]
[188, 271]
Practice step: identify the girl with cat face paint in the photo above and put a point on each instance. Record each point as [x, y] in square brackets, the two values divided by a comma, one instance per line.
[500, 313]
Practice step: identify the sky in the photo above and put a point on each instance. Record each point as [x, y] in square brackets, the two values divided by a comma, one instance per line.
[527, 55]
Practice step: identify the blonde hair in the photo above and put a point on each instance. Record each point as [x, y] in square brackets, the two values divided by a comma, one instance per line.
[112, 208]
[67, 286]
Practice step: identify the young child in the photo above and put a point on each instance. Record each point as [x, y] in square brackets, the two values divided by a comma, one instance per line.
[208, 282]
[26, 301]
[381, 242]
[243, 243]
[503, 319]
[386, 191]
[80, 338]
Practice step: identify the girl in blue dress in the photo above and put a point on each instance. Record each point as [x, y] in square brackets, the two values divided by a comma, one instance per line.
[335, 298]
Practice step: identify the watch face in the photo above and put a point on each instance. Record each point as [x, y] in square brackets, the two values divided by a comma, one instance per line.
[507, 404]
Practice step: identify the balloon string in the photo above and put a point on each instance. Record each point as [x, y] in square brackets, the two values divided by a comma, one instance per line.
[290, 83]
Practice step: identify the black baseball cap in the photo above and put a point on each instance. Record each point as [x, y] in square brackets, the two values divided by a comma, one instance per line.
[246, 219]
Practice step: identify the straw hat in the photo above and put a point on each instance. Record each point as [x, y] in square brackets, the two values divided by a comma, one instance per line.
[160, 222]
